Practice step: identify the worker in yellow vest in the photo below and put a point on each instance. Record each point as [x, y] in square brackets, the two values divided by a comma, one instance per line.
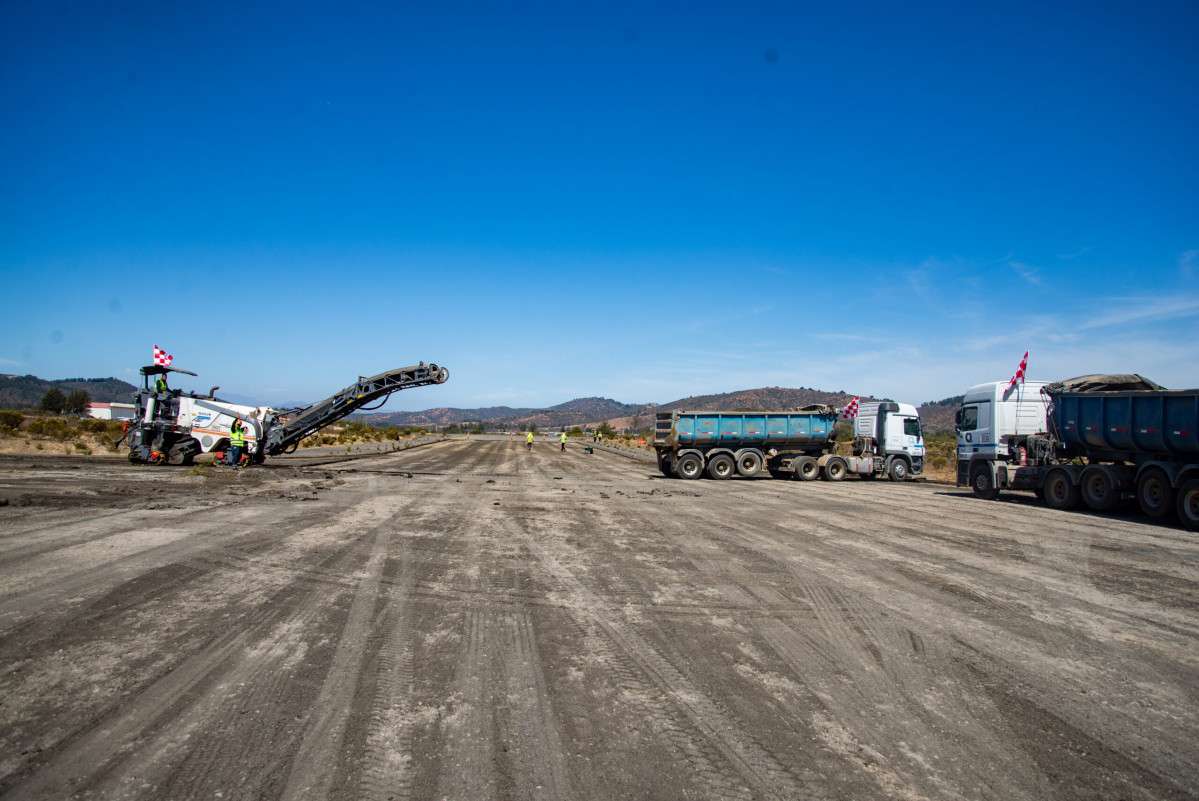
[529, 441]
[237, 443]
[562, 441]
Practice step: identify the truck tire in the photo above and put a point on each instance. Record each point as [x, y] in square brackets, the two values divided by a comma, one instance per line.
[1188, 505]
[1154, 493]
[1099, 489]
[899, 470]
[749, 463]
[664, 465]
[1060, 491]
[806, 468]
[835, 469]
[689, 466]
[982, 481]
[721, 466]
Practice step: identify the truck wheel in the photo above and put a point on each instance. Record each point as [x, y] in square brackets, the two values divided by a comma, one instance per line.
[664, 465]
[806, 469]
[835, 469]
[749, 463]
[983, 483]
[721, 466]
[1154, 493]
[689, 465]
[899, 470]
[1060, 491]
[1099, 490]
[1188, 505]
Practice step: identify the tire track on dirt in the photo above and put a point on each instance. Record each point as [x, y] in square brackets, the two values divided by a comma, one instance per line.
[1021, 629]
[387, 769]
[764, 775]
[499, 736]
[316, 759]
[240, 657]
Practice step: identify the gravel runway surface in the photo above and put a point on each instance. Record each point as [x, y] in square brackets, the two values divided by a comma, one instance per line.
[468, 620]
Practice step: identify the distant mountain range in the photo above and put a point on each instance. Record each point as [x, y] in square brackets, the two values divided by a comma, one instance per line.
[25, 392]
[936, 416]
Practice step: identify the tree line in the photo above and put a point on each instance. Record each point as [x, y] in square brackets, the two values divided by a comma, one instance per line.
[54, 401]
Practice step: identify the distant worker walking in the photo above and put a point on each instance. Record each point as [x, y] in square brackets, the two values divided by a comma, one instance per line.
[237, 443]
[562, 440]
[529, 442]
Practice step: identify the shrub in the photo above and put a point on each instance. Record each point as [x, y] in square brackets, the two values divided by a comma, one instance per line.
[11, 420]
[94, 426]
[54, 427]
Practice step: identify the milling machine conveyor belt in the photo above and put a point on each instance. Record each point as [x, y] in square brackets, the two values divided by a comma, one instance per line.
[301, 422]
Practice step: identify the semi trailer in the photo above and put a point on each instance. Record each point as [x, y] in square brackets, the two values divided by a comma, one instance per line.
[790, 444]
[1099, 441]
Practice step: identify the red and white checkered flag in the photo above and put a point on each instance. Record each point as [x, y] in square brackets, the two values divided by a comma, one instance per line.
[161, 357]
[851, 411]
[1018, 378]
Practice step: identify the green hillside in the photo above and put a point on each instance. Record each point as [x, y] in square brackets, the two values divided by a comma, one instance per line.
[26, 391]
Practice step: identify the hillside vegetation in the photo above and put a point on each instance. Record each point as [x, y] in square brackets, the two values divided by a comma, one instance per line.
[27, 391]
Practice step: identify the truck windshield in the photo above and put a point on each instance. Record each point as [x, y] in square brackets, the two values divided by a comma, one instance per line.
[969, 418]
[911, 427]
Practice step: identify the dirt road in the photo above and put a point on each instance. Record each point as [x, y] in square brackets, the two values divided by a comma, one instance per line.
[467, 620]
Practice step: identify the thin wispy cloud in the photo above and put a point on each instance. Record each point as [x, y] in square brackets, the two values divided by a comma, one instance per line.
[1027, 272]
[1143, 311]
[1073, 255]
[1187, 262]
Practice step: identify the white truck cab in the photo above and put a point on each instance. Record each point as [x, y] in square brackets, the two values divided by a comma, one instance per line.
[890, 433]
[994, 421]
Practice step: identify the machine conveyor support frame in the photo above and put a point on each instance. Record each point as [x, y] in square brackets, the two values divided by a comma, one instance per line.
[308, 420]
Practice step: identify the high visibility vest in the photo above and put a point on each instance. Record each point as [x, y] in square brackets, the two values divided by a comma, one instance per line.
[237, 438]
[160, 384]
[563, 437]
[530, 437]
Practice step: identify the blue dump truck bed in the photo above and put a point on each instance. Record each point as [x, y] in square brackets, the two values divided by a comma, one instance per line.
[800, 430]
[1127, 425]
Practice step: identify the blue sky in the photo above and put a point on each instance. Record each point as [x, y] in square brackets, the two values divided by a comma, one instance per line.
[641, 201]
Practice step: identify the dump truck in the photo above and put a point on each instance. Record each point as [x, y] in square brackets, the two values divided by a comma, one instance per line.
[1102, 441]
[790, 444]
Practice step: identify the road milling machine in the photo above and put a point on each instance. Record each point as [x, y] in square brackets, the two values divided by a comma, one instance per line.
[174, 426]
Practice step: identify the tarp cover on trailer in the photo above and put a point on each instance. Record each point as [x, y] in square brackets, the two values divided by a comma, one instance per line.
[1114, 382]
[819, 408]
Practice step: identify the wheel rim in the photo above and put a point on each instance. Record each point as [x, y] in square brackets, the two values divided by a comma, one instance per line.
[1190, 505]
[1151, 495]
